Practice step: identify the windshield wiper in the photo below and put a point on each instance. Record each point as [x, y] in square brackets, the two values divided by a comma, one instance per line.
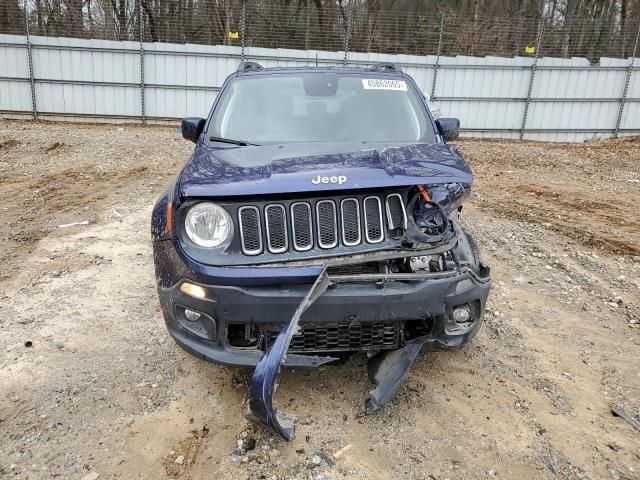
[242, 143]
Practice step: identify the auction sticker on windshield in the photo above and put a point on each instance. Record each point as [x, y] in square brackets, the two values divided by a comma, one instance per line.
[383, 84]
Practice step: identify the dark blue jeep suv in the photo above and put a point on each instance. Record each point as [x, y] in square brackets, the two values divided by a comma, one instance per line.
[302, 174]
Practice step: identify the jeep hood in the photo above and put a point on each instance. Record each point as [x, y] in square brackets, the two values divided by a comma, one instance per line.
[291, 167]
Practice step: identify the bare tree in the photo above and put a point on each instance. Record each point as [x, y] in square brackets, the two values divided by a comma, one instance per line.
[591, 28]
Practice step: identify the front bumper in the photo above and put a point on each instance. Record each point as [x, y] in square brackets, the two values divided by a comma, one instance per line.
[411, 300]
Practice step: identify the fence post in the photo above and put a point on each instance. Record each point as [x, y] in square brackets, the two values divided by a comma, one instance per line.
[32, 81]
[243, 20]
[140, 36]
[623, 99]
[435, 66]
[347, 36]
[533, 75]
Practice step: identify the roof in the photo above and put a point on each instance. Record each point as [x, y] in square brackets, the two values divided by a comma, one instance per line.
[387, 69]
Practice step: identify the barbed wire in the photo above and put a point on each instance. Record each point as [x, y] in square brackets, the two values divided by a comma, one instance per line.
[300, 26]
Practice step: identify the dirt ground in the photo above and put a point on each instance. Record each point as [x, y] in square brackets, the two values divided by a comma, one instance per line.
[104, 390]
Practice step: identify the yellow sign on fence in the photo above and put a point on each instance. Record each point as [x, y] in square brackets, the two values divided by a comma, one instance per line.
[234, 35]
[530, 49]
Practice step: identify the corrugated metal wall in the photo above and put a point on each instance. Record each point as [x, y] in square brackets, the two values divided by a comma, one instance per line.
[76, 79]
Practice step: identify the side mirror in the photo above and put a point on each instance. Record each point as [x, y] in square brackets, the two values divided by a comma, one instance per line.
[449, 128]
[192, 128]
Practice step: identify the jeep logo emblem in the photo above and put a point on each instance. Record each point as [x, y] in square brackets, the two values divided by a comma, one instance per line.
[339, 179]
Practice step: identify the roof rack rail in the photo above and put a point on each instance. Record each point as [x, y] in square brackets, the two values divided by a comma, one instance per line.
[244, 66]
[394, 67]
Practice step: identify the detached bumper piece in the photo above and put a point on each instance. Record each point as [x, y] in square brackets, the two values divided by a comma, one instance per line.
[263, 381]
[388, 370]
[396, 314]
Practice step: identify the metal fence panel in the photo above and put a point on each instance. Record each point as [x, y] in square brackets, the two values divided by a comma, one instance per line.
[13, 57]
[478, 77]
[568, 99]
[73, 59]
[634, 82]
[192, 65]
[164, 103]
[589, 117]
[580, 103]
[15, 93]
[631, 115]
[485, 116]
[15, 97]
[483, 96]
[88, 100]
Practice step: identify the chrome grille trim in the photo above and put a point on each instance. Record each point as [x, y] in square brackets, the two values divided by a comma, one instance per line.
[243, 237]
[390, 217]
[369, 224]
[321, 225]
[294, 234]
[283, 231]
[345, 241]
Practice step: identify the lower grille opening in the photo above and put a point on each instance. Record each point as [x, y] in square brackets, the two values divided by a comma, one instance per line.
[417, 328]
[344, 336]
[337, 336]
[241, 335]
[355, 269]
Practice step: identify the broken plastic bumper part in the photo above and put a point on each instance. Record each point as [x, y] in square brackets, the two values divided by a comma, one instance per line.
[263, 382]
[400, 300]
[403, 298]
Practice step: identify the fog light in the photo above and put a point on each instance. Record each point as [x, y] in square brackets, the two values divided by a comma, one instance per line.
[193, 290]
[191, 315]
[462, 314]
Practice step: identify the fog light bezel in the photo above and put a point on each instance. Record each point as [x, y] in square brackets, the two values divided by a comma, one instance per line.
[453, 328]
[204, 327]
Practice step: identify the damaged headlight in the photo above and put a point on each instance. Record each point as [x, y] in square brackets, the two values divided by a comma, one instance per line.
[430, 218]
[430, 210]
[450, 195]
[208, 225]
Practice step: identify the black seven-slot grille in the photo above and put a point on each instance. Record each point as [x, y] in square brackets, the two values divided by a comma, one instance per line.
[324, 223]
[337, 336]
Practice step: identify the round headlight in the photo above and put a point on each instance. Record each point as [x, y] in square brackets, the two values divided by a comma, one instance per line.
[208, 224]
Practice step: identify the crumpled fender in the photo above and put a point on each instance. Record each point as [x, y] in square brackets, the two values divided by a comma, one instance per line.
[263, 381]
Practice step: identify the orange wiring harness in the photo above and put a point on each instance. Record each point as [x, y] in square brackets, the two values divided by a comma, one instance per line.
[424, 193]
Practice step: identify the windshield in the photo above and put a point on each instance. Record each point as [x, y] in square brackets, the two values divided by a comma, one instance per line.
[320, 107]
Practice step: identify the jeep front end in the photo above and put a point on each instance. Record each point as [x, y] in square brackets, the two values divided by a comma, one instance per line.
[320, 219]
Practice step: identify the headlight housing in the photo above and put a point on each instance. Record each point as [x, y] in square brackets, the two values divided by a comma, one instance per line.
[449, 195]
[208, 225]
